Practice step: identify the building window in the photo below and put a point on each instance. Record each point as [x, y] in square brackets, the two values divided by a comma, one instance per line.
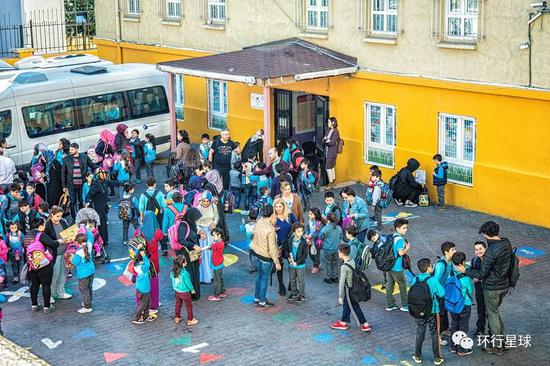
[384, 17]
[457, 141]
[380, 134]
[178, 96]
[216, 11]
[217, 101]
[172, 9]
[461, 18]
[317, 14]
[5, 123]
[133, 8]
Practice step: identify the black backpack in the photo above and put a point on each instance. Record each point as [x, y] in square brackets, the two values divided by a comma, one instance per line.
[513, 275]
[384, 256]
[420, 299]
[393, 181]
[152, 204]
[360, 290]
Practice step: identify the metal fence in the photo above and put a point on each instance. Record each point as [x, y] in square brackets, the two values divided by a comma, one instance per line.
[47, 31]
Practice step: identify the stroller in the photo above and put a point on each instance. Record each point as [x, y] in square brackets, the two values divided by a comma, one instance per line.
[89, 218]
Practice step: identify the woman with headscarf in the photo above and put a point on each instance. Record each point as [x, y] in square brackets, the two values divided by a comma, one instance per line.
[206, 220]
[43, 159]
[54, 185]
[213, 176]
[153, 234]
[62, 149]
[104, 145]
[189, 239]
[193, 189]
[121, 140]
[97, 199]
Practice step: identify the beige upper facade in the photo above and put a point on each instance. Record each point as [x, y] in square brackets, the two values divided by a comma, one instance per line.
[471, 40]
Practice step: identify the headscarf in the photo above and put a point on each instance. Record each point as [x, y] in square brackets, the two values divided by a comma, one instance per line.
[49, 157]
[121, 128]
[150, 225]
[37, 152]
[106, 136]
[195, 183]
[213, 177]
[206, 195]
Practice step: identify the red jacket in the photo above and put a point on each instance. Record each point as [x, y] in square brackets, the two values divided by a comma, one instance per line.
[153, 248]
[217, 253]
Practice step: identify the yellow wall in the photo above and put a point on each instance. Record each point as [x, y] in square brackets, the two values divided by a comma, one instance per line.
[512, 165]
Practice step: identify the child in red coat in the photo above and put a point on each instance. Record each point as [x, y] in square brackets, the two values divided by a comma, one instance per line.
[217, 264]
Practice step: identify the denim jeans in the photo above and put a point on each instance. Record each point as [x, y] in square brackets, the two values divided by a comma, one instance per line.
[149, 169]
[440, 195]
[460, 322]
[138, 163]
[126, 226]
[297, 281]
[331, 265]
[237, 192]
[249, 196]
[75, 196]
[346, 311]
[421, 325]
[219, 287]
[263, 270]
[480, 304]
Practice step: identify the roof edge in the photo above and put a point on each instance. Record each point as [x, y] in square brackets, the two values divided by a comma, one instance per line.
[207, 74]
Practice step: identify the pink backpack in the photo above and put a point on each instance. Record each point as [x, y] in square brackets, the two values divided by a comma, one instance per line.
[173, 234]
[36, 172]
[37, 256]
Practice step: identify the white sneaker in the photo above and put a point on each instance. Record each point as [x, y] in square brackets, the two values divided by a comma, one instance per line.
[52, 301]
[65, 296]
[153, 311]
[84, 310]
[410, 204]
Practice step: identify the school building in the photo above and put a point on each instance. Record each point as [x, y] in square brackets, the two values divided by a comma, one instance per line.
[464, 78]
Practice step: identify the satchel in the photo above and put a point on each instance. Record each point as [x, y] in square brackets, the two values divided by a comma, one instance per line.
[194, 255]
[64, 203]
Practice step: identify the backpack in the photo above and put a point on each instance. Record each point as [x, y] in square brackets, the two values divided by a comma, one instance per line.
[152, 204]
[257, 207]
[126, 208]
[420, 299]
[296, 159]
[386, 194]
[37, 256]
[228, 200]
[96, 159]
[360, 290]
[135, 245]
[384, 256]
[513, 275]
[36, 171]
[192, 198]
[176, 236]
[363, 259]
[393, 181]
[454, 299]
[310, 187]
[340, 146]
[69, 254]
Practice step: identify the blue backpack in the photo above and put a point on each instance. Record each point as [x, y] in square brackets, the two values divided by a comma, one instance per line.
[454, 299]
[385, 197]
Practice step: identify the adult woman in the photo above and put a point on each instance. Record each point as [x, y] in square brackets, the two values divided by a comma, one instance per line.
[282, 220]
[121, 140]
[184, 145]
[205, 220]
[43, 276]
[62, 149]
[54, 226]
[44, 157]
[332, 140]
[292, 200]
[54, 186]
[355, 211]
[103, 146]
[152, 234]
[189, 239]
[407, 188]
[97, 198]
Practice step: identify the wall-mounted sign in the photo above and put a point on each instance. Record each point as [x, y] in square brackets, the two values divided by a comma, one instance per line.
[256, 101]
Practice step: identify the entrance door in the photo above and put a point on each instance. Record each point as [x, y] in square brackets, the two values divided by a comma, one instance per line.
[321, 117]
[283, 114]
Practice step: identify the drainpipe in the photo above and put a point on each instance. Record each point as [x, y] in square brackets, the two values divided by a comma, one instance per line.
[118, 30]
[267, 120]
[173, 121]
[529, 42]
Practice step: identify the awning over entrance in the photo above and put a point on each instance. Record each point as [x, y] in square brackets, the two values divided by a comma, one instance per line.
[263, 64]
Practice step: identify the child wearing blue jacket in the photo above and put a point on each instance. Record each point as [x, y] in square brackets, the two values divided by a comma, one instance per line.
[442, 270]
[436, 291]
[149, 154]
[356, 208]
[143, 288]
[85, 269]
[440, 179]
[331, 235]
[461, 321]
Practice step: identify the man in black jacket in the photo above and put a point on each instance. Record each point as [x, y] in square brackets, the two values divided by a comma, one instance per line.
[495, 278]
[73, 175]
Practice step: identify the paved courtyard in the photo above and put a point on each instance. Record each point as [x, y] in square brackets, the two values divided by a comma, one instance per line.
[234, 332]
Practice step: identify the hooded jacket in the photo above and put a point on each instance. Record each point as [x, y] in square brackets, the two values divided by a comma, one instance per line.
[495, 267]
[440, 174]
[406, 178]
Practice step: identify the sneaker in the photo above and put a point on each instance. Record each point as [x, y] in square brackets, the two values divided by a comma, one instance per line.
[453, 349]
[69, 275]
[465, 352]
[164, 253]
[417, 359]
[438, 360]
[252, 270]
[292, 298]
[177, 320]
[327, 280]
[153, 311]
[334, 280]
[366, 327]
[213, 298]
[139, 321]
[339, 325]
[410, 204]
[65, 296]
[383, 287]
[124, 243]
[52, 300]
[84, 310]
[398, 202]
[49, 310]
[35, 308]
[151, 317]
[256, 301]
[444, 342]
[441, 208]
[265, 305]
[493, 350]
[222, 295]
[446, 333]
[300, 299]
[392, 308]
[15, 280]
[404, 309]
[192, 322]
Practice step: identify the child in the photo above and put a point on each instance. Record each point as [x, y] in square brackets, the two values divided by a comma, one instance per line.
[306, 182]
[149, 154]
[137, 154]
[213, 176]
[397, 272]
[460, 321]
[262, 180]
[236, 153]
[170, 189]
[3, 260]
[314, 226]
[442, 270]
[371, 182]
[152, 200]
[377, 241]
[205, 146]
[15, 240]
[353, 242]
[436, 291]
[346, 276]
[332, 207]
[235, 182]
[10, 204]
[376, 178]
[440, 179]
[34, 198]
[141, 267]
[44, 210]
[249, 181]
[479, 248]
[89, 179]
[217, 264]
[129, 199]
[122, 169]
[181, 283]
[265, 196]
[25, 216]
[331, 235]
[248, 228]
[295, 251]
[85, 269]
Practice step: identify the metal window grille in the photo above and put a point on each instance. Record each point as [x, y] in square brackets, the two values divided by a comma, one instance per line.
[458, 21]
[379, 18]
[216, 11]
[133, 8]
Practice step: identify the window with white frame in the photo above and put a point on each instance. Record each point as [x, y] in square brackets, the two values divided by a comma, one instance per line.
[317, 14]
[173, 9]
[380, 134]
[178, 96]
[216, 11]
[217, 101]
[461, 19]
[133, 7]
[457, 142]
[384, 17]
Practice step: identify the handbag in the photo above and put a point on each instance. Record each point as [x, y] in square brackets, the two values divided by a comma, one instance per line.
[194, 255]
[423, 199]
[64, 203]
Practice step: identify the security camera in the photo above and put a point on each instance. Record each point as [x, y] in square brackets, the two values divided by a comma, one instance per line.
[524, 46]
[539, 5]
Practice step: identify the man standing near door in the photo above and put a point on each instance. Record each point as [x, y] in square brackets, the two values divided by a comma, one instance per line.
[220, 156]
[75, 166]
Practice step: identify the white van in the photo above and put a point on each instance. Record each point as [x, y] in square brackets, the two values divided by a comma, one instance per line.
[79, 103]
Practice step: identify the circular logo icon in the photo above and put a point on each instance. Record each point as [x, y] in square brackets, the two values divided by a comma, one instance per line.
[458, 336]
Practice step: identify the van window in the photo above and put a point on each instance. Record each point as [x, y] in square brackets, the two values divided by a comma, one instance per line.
[50, 118]
[5, 123]
[102, 109]
[148, 101]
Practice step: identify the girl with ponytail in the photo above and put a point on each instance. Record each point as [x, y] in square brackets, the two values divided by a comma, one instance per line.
[85, 269]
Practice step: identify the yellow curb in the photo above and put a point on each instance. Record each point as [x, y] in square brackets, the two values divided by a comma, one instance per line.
[12, 354]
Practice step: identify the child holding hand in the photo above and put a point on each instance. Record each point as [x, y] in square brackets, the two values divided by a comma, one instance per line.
[181, 283]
